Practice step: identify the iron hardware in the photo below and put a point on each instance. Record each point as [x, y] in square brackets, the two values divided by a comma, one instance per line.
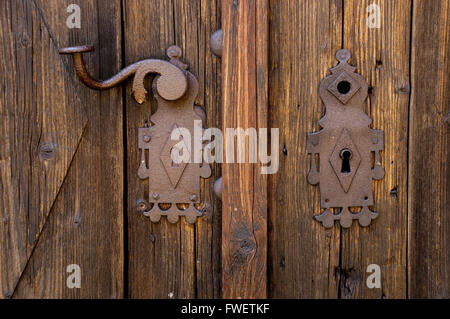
[216, 43]
[348, 149]
[174, 189]
[217, 188]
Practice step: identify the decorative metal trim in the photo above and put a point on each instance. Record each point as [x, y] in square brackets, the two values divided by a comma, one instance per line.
[173, 189]
[348, 150]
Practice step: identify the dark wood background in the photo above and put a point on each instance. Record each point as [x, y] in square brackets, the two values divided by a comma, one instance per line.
[68, 155]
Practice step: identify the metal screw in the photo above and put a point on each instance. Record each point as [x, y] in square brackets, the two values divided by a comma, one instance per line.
[155, 195]
[146, 138]
[193, 197]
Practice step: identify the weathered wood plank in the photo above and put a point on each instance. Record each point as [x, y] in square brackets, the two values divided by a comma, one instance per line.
[304, 37]
[171, 260]
[429, 155]
[201, 22]
[155, 259]
[244, 92]
[382, 58]
[85, 225]
[40, 128]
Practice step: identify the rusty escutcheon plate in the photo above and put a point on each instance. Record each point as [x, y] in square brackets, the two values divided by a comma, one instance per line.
[173, 188]
[345, 154]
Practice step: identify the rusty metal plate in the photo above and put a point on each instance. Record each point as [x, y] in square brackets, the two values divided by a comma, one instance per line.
[173, 188]
[345, 154]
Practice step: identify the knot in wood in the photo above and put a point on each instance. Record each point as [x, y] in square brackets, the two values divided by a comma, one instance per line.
[47, 151]
[247, 246]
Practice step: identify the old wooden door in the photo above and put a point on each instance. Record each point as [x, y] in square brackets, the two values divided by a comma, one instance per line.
[69, 155]
[275, 55]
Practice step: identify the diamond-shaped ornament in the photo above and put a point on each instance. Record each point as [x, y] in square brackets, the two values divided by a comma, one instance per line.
[345, 143]
[334, 87]
[174, 170]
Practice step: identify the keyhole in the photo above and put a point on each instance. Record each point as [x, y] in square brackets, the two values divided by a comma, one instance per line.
[346, 155]
[343, 87]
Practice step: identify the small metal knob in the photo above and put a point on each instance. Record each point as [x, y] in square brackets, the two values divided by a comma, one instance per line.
[216, 43]
[217, 188]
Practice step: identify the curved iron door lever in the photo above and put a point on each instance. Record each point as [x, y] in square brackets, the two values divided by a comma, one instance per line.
[173, 186]
[171, 84]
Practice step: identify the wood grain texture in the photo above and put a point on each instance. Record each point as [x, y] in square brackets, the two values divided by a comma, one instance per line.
[172, 260]
[304, 256]
[382, 58]
[429, 156]
[208, 71]
[85, 224]
[244, 202]
[42, 121]
[64, 151]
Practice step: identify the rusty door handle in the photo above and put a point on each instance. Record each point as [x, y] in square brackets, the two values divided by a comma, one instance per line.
[170, 85]
[173, 186]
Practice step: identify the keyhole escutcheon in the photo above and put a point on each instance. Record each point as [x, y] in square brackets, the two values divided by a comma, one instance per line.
[346, 155]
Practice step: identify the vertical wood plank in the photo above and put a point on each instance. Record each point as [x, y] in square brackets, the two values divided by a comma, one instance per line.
[195, 21]
[244, 205]
[85, 225]
[382, 57]
[208, 72]
[160, 255]
[429, 155]
[304, 37]
[171, 260]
